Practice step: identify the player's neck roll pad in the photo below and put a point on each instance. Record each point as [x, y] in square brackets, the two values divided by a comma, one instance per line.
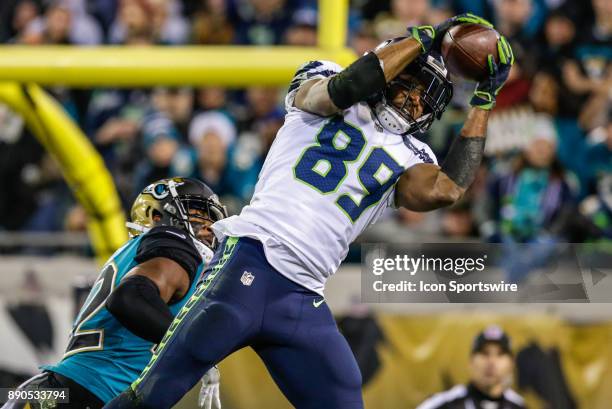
[357, 82]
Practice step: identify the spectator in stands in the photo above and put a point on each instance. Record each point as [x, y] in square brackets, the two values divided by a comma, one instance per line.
[132, 24]
[64, 22]
[258, 124]
[527, 200]
[405, 13]
[164, 139]
[212, 133]
[177, 104]
[261, 22]
[53, 28]
[25, 12]
[104, 11]
[212, 98]
[559, 38]
[530, 203]
[247, 156]
[76, 219]
[519, 20]
[257, 102]
[364, 39]
[586, 72]
[585, 146]
[491, 371]
[160, 20]
[211, 24]
[303, 29]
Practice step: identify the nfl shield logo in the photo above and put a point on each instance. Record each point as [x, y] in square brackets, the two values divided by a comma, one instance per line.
[247, 278]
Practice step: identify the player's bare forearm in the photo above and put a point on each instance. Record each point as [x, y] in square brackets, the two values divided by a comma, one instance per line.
[395, 57]
[424, 187]
[312, 96]
[427, 187]
[366, 76]
[476, 123]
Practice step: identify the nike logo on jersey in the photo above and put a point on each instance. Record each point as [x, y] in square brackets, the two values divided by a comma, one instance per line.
[317, 304]
[176, 234]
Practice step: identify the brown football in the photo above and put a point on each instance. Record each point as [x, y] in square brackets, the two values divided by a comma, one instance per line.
[465, 49]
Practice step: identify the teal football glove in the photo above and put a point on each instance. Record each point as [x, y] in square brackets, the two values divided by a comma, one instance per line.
[487, 90]
[424, 35]
[466, 18]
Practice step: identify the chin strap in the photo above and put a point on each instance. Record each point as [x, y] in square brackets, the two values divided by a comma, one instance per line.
[137, 227]
[393, 122]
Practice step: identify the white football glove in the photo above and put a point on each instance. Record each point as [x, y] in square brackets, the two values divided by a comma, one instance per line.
[209, 392]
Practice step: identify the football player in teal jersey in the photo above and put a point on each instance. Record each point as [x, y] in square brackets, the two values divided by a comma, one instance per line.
[140, 289]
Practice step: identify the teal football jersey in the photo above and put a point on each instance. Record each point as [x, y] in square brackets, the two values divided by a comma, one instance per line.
[102, 355]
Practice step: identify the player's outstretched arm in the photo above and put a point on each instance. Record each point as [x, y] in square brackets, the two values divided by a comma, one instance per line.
[425, 186]
[364, 77]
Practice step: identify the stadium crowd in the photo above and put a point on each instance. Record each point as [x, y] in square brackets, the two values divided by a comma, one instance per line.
[548, 172]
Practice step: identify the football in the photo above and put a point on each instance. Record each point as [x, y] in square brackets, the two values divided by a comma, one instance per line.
[465, 49]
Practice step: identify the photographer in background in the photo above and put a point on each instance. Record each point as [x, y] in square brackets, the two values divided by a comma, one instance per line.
[491, 369]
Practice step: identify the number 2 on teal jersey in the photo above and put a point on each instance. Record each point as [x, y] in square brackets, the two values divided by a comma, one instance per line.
[91, 339]
[323, 166]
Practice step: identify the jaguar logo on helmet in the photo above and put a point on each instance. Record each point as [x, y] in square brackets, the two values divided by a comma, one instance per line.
[160, 190]
[173, 202]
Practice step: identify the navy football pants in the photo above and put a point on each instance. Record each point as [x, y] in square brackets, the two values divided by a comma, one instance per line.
[244, 301]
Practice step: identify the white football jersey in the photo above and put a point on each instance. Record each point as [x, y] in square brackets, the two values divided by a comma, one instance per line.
[323, 182]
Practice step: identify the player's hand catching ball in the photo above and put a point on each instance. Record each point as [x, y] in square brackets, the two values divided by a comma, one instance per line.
[209, 392]
[487, 90]
[424, 35]
[466, 18]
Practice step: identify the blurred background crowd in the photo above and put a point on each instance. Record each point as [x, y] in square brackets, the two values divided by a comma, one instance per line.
[547, 176]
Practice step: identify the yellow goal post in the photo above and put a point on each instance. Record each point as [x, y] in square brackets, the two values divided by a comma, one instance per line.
[24, 69]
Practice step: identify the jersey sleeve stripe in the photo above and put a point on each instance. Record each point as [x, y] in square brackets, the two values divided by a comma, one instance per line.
[420, 153]
[325, 73]
[297, 81]
[308, 66]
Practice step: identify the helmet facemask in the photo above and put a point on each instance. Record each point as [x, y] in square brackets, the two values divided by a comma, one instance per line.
[428, 77]
[194, 213]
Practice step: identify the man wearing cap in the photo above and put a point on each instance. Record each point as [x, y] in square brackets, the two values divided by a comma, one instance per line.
[491, 367]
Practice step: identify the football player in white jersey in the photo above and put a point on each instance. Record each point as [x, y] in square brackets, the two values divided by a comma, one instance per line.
[344, 154]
